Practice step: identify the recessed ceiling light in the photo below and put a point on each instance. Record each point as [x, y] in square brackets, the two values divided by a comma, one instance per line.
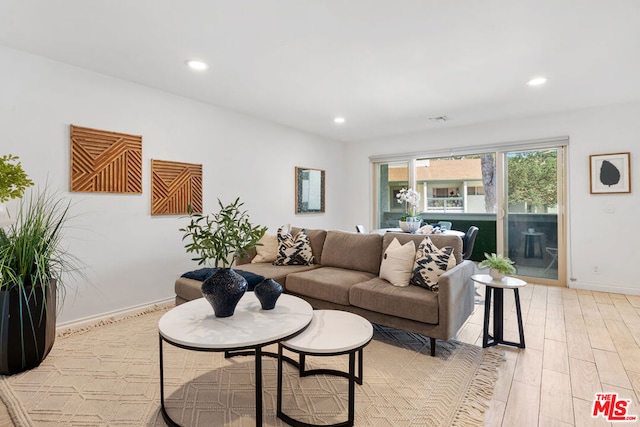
[339, 120]
[537, 81]
[196, 64]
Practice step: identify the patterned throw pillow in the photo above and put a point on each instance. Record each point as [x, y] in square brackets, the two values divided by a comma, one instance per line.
[294, 250]
[430, 264]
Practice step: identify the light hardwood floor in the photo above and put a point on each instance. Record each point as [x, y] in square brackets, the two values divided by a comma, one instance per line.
[578, 343]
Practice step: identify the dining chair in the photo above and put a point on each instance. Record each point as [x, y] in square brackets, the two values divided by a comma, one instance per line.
[468, 241]
[361, 229]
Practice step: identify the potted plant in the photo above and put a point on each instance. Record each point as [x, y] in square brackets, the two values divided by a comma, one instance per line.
[13, 180]
[32, 264]
[221, 238]
[499, 266]
[410, 222]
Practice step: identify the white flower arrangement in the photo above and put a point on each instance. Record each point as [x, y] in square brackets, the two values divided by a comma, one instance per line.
[410, 198]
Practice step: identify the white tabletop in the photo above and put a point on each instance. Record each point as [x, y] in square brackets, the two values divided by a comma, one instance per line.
[382, 231]
[506, 282]
[194, 324]
[332, 331]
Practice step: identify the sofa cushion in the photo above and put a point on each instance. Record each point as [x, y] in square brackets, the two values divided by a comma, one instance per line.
[293, 249]
[276, 272]
[397, 263]
[267, 251]
[411, 302]
[431, 262]
[353, 251]
[326, 283]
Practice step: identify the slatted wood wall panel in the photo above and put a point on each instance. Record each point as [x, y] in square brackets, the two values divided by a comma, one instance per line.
[174, 186]
[105, 162]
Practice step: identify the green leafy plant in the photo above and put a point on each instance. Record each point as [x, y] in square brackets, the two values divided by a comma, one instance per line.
[222, 236]
[33, 272]
[13, 179]
[497, 262]
[30, 249]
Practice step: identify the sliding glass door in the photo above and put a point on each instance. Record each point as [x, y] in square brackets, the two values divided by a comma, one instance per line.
[515, 195]
[532, 220]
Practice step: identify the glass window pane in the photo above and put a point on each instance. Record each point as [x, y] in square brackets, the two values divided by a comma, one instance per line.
[391, 178]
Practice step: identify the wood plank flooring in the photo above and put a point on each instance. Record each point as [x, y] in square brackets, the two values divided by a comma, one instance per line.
[578, 343]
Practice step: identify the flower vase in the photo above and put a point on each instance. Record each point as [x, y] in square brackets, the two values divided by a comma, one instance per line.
[410, 225]
[268, 291]
[223, 289]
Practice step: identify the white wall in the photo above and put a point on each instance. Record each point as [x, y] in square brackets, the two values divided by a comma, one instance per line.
[608, 240]
[133, 258]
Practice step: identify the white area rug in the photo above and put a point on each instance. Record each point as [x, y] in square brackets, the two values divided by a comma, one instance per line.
[108, 375]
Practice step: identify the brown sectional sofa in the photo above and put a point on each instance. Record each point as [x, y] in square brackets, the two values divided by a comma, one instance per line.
[345, 277]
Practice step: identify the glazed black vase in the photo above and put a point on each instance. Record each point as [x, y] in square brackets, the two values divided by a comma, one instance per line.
[223, 289]
[268, 291]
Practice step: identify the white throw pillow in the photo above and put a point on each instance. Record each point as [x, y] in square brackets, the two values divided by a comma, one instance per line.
[397, 263]
[268, 252]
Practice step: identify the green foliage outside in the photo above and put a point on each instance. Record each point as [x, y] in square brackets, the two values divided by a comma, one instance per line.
[222, 236]
[532, 178]
[13, 179]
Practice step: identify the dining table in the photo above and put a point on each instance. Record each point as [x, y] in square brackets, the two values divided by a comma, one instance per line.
[383, 231]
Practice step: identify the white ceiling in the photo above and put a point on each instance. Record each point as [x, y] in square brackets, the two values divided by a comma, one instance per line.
[387, 66]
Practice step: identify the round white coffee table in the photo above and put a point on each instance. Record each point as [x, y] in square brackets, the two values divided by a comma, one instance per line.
[330, 333]
[497, 287]
[193, 326]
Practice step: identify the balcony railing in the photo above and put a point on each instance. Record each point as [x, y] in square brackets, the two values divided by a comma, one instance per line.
[445, 204]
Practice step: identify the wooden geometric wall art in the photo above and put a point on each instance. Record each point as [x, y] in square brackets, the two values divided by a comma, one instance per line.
[174, 186]
[105, 162]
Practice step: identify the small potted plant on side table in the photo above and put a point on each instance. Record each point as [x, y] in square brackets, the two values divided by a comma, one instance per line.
[499, 266]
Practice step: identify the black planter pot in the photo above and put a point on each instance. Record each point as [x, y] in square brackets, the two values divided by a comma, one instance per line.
[268, 291]
[27, 327]
[223, 289]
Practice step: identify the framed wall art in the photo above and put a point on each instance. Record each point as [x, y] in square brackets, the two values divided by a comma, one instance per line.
[105, 162]
[610, 173]
[310, 188]
[175, 186]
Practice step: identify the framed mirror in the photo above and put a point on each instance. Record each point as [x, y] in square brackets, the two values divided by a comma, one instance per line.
[309, 190]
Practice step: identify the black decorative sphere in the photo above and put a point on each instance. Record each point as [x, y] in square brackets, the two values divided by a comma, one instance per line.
[223, 289]
[268, 291]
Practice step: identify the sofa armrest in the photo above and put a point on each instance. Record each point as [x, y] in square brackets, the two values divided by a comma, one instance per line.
[456, 296]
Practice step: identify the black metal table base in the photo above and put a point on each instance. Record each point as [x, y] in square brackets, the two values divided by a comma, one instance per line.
[498, 319]
[351, 376]
[256, 351]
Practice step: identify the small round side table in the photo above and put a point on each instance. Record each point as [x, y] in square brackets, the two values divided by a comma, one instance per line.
[497, 288]
[330, 333]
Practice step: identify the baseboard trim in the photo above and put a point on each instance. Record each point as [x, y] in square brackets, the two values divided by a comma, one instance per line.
[600, 287]
[113, 315]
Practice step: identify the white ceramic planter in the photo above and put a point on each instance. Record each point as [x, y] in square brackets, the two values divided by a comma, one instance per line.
[495, 274]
